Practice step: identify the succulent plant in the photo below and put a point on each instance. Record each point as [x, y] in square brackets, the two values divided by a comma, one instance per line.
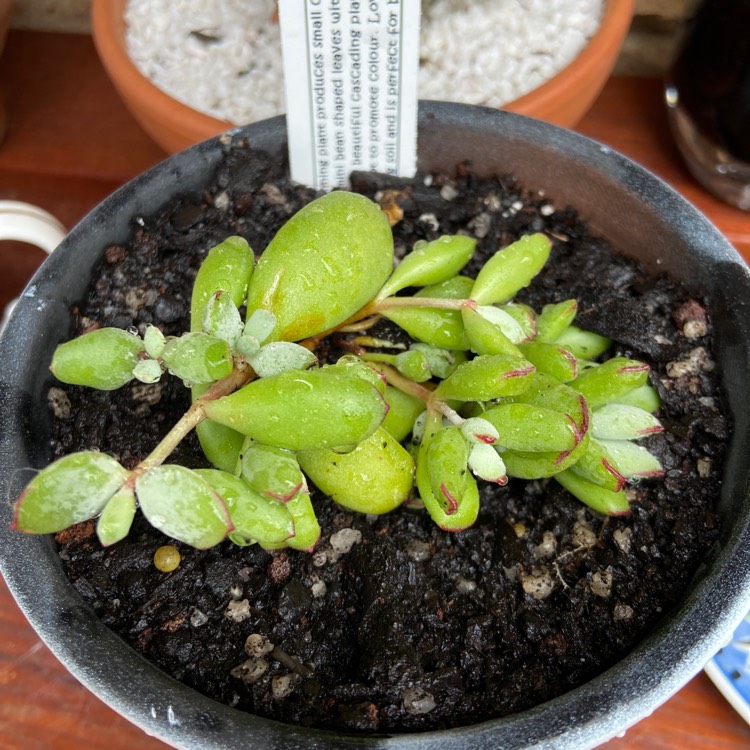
[485, 388]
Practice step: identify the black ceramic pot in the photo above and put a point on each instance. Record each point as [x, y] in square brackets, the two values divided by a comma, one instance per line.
[641, 217]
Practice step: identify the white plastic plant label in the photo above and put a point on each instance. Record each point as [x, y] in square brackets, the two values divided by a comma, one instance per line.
[350, 73]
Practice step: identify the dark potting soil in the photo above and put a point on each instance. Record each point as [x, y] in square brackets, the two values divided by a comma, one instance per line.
[392, 624]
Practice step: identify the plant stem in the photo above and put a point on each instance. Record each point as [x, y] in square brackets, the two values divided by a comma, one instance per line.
[397, 380]
[432, 302]
[193, 417]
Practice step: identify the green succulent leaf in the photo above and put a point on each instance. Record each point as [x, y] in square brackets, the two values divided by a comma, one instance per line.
[633, 461]
[228, 267]
[486, 463]
[535, 465]
[458, 287]
[403, 410]
[487, 377]
[198, 358]
[102, 359]
[355, 366]
[554, 319]
[220, 444]
[468, 511]
[598, 498]
[274, 472]
[597, 465]
[611, 380]
[551, 359]
[117, 516]
[181, 504]
[375, 477]
[441, 362]
[583, 344]
[70, 490]
[147, 371]
[447, 460]
[645, 397]
[255, 517]
[511, 269]
[535, 429]
[414, 365]
[523, 315]
[280, 356]
[506, 322]
[484, 336]
[623, 422]
[323, 265]
[441, 328]
[479, 430]
[325, 408]
[153, 341]
[222, 318]
[260, 325]
[306, 526]
[430, 263]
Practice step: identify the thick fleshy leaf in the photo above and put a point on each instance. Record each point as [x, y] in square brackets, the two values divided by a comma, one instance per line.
[528, 465]
[447, 461]
[280, 356]
[147, 371]
[271, 471]
[442, 328]
[181, 504]
[612, 379]
[355, 366]
[598, 498]
[524, 315]
[256, 518]
[597, 465]
[402, 412]
[487, 377]
[458, 287]
[646, 397]
[554, 319]
[260, 325]
[414, 365]
[222, 318]
[485, 462]
[511, 269]
[551, 359]
[441, 362]
[536, 429]
[221, 445]
[633, 461]
[72, 489]
[117, 517]
[484, 336]
[198, 358]
[154, 341]
[623, 422]
[303, 410]
[583, 344]
[228, 267]
[507, 323]
[375, 477]
[462, 518]
[323, 265]
[306, 526]
[102, 359]
[430, 263]
[480, 431]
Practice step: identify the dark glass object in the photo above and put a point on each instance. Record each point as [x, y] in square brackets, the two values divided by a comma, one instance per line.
[708, 97]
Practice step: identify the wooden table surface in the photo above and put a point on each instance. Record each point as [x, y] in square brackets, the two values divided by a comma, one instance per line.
[71, 142]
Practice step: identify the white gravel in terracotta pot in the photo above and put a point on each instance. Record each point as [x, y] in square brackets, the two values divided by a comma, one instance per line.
[224, 57]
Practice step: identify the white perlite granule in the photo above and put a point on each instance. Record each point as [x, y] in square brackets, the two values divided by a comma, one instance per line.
[224, 57]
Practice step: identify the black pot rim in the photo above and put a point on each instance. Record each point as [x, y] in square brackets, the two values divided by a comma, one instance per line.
[584, 717]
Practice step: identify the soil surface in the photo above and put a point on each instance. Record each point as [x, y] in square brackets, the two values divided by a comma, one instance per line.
[391, 624]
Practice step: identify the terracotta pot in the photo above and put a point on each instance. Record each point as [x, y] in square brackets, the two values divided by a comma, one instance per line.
[641, 217]
[562, 100]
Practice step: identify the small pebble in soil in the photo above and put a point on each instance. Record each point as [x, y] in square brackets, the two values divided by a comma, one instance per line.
[167, 558]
